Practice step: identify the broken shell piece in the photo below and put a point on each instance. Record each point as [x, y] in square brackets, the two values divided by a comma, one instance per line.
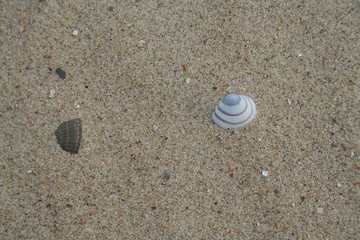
[234, 111]
[68, 135]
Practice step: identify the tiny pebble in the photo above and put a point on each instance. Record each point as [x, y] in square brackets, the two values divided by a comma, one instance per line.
[265, 173]
[52, 93]
[320, 210]
[289, 102]
[75, 32]
[155, 128]
[61, 73]
[141, 43]
[100, 116]
[187, 80]
[352, 154]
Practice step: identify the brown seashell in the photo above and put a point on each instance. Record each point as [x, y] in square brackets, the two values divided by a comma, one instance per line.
[68, 135]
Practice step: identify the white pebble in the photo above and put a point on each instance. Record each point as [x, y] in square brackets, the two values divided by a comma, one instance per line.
[75, 32]
[265, 173]
[187, 80]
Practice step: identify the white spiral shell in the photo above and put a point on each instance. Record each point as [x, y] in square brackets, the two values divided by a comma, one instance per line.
[234, 111]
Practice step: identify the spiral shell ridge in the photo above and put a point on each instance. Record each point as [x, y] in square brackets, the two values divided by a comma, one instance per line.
[234, 111]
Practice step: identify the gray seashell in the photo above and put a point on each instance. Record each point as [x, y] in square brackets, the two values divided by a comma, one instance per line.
[234, 111]
[68, 135]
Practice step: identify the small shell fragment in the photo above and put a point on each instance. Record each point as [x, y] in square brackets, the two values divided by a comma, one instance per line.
[265, 173]
[68, 135]
[141, 44]
[76, 105]
[52, 93]
[234, 111]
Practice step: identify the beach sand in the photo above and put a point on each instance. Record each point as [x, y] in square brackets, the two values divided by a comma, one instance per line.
[144, 78]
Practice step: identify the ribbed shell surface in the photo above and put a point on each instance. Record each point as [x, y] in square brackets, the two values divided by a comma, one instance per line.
[68, 135]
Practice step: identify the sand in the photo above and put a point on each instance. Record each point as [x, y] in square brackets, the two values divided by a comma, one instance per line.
[144, 78]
